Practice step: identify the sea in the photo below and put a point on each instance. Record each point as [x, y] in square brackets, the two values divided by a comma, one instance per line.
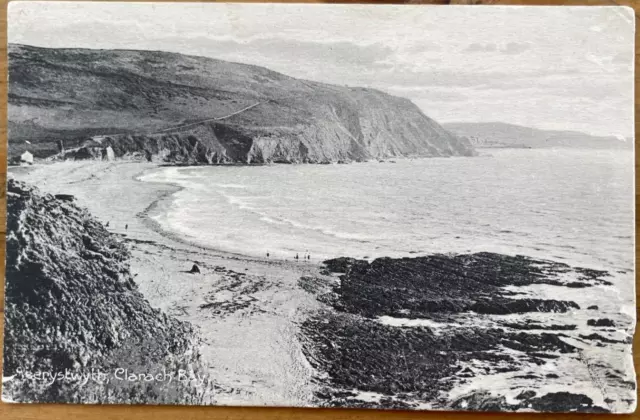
[575, 206]
[566, 205]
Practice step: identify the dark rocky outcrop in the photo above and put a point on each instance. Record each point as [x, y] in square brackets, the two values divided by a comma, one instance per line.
[502, 306]
[194, 110]
[339, 265]
[602, 322]
[602, 339]
[71, 304]
[551, 402]
[355, 349]
[358, 353]
[528, 325]
[65, 197]
[422, 286]
[565, 401]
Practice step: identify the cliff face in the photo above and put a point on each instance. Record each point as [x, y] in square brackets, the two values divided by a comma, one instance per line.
[159, 105]
[71, 304]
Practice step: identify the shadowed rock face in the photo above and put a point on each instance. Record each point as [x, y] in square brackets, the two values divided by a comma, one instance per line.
[134, 98]
[71, 303]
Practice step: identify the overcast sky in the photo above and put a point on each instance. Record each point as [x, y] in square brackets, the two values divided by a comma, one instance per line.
[548, 67]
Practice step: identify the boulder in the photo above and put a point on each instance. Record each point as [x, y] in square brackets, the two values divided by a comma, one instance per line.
[602, 322]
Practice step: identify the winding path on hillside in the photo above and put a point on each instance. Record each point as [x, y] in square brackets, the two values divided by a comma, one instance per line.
[209, 119]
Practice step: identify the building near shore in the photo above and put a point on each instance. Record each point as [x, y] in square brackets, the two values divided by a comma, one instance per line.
[108, 154]
[26, 158]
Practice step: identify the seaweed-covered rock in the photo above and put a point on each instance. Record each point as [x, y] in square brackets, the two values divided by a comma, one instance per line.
[565, 402]
[359, 353]
[418, 287]
[512, 306]
[602, 322]
[356, 346]
[339, 265]
[551, 402]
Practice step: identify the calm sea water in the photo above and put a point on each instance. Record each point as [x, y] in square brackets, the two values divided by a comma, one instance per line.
[572, 205]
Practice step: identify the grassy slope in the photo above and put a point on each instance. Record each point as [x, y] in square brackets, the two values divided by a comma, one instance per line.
[74, 93]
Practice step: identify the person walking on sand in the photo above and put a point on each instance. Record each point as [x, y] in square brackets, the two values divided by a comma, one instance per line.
[126, 227]
[267, 254]
[297, 257]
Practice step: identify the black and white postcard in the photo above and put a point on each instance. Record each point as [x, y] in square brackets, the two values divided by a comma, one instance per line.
[375, 206]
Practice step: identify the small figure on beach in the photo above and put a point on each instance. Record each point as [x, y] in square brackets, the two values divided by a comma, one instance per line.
[195, 269]
[297, 257]
[107, 225]
[126, 227]
[267, 254]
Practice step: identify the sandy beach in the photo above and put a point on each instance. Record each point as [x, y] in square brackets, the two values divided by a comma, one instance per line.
[247, 310]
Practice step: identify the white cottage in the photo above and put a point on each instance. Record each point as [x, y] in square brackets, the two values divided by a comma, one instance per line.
[26, 158]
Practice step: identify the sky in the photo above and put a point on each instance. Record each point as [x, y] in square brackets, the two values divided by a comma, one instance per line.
[565, 68]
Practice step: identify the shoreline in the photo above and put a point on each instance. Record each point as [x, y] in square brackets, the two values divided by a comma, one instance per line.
[535, 251]
[166, 198]
[246, 309]
[250, 311]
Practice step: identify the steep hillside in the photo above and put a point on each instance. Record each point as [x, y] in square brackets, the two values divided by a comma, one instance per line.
[72, 307]
[138, 98]
[496, 134]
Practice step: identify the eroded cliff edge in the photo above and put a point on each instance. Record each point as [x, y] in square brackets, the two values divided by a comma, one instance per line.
[185, 109]
[72, 308]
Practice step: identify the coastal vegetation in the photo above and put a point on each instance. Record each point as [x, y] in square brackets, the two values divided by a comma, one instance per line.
[74, 317]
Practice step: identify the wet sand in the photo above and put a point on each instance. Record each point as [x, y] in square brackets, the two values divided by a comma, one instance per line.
[248, 311]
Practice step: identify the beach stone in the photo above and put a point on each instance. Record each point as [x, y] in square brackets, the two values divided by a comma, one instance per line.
[602, 322]
[565, 401]
[65, 197]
